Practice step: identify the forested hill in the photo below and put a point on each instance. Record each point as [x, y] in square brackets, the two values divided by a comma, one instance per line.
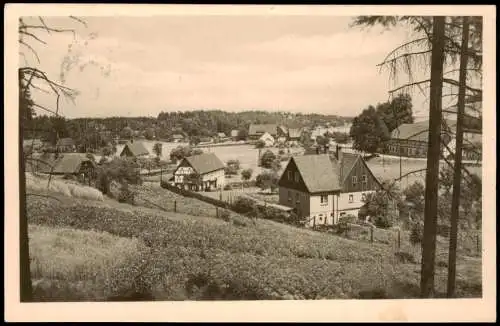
[190, 123]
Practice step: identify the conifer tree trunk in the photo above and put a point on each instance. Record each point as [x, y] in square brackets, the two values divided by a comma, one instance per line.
[433, 156]
[455, 202]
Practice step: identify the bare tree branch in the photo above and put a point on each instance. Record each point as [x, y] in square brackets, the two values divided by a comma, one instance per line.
[31, 49]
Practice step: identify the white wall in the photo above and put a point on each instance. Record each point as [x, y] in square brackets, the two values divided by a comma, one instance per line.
[321, 213]
[181, 172]
[219, 175]
[349, 207]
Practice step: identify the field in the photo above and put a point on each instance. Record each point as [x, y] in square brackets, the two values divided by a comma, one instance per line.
[176, 256]
[387, 168]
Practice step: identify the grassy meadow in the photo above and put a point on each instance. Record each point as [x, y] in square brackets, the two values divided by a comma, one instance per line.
[86, 250]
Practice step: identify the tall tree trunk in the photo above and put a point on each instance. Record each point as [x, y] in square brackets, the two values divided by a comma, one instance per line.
[433, 156]
[455, 201]
[24, 256]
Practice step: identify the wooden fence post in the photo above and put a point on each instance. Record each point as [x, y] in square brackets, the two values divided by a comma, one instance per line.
[371, 234]
[399, 239]
[217, 212]
[175, 205]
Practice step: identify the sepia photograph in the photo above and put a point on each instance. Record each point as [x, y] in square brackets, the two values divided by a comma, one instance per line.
[234, 155]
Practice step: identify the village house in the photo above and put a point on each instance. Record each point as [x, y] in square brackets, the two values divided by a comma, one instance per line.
[177, 138]
[323, 187]
[134, 149]
[202, 172]
[281, 134]
[65, 145]
[267, 139]
[256, 131]
[294, 135]
[234, 134]
[411, 139]
[75, 164]
[32, 145]
[221, 137]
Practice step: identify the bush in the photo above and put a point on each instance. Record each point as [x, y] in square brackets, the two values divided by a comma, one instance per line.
[383, 222]
[267, 159]
[244, 205]
[416, 234]
[126, 195]
[281, 152]
[405, 257]
[225, 215]
[344, 225]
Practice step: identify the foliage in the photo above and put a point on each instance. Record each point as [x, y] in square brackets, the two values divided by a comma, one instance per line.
[181, 152]
[158, 149]
[126, 195]
[242, 134]
[344, 225]
[383, 205]
[260, 144]
[416, 234]
[232, 167]
[368, 131]
[396, 112]
[246, 174]
[244, 205]
[122, 170]
[322, 140]
[267, 180]
[340, 137]
[414, 194]
[267, 159]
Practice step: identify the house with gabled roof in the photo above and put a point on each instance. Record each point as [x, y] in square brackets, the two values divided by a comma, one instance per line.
[203, 172]
[134, 149]
[322, 187]
[255, 131]
[65, 145]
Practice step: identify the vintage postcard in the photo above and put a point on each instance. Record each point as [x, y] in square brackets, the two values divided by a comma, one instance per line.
[250, 163]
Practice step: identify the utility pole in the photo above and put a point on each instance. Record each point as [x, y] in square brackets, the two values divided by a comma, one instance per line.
[433, 156]
[457, 173]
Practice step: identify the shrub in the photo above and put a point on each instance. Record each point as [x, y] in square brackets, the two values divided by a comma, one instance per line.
[267, 159]
[416, 234]
[281, 152]
[344, 225]
[126, 195]
[244, 205]
[383, 221]
[405, 257]
[225, 215]
[246, 174]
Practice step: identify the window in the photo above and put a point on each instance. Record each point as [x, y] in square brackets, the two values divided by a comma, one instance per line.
[351, 198]
[289, 175]
[297, 176]
[289, 195]
[297, 198]
[324, 199]
[364, 179]
[354, 181]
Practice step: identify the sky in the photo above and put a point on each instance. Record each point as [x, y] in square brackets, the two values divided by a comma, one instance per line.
[140, 66]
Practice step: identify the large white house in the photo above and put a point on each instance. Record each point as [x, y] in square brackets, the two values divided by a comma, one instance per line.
[323, 187]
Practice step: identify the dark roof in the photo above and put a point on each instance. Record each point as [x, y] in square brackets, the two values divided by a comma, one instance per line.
[260, 129]
[65, 142]
[283, 129]
[136, 148]
[343, 167]
[319, 172]
[67, 163]
[205, 163]
[418, 131]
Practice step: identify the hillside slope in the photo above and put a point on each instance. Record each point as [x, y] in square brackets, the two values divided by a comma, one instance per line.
[196, 258]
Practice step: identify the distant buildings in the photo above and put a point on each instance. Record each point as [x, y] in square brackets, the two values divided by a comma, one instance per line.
[256, 131]
[411, 140]
[65, 145]
[202, 172]
[134, 149]
[267, 139]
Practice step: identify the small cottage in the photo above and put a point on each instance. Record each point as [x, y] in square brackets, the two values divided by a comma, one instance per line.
[267, 139]
[65, 145]
[202, 172]
[256, 131]
[134, 149]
